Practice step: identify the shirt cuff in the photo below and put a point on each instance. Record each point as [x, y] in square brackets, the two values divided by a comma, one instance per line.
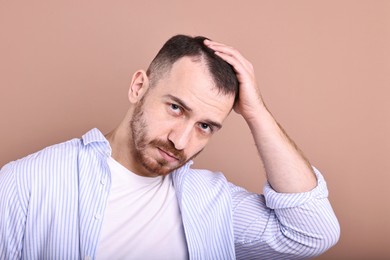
[276, 200]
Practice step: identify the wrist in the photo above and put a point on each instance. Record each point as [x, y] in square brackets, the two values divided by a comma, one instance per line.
[255, 113]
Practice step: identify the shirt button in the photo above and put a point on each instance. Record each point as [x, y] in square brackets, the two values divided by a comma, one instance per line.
[98, 216]
[87, 257]
[103, 180]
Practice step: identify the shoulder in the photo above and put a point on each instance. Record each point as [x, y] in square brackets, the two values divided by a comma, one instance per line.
[206, 175]
[200, 182]
[38, 171]
[211, 180]
[50, 155]
[60, 158]
[41, 167]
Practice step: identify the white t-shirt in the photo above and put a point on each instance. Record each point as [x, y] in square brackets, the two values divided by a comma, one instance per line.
[142, 219]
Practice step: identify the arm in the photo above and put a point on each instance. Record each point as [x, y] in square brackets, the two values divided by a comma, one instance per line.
[286, 168]
[12, 218]
[283, 225]
[293, 219]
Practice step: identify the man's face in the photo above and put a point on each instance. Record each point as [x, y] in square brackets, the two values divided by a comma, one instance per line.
[176, 118]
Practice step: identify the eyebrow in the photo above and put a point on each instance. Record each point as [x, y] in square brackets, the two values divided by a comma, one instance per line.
[215, 124]
[183, 104]
[179, 101]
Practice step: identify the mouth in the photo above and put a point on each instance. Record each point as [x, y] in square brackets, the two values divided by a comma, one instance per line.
[167, 156]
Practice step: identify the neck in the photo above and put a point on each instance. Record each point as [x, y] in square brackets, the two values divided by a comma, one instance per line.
[120, 142]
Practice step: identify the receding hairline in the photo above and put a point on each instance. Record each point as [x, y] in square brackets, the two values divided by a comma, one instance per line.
[199, 59]
[155, 75]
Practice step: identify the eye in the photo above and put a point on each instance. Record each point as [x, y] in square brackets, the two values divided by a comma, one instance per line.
[175, 109]
[206, 128]
[174, 106]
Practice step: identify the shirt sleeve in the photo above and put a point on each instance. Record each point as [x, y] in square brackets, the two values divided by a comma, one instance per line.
[12, 218]
[283, 225]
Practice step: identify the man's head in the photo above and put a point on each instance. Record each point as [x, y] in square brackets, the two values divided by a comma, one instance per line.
[178, 104]
[180, 46]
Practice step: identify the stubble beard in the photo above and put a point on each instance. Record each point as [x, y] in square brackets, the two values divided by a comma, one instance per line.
[140, 145]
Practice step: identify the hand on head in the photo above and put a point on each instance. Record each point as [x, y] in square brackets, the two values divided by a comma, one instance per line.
[249, 94]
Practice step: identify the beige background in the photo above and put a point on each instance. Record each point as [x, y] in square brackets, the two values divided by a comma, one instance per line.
[323, 67]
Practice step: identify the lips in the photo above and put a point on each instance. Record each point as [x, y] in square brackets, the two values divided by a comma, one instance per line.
[167, 156]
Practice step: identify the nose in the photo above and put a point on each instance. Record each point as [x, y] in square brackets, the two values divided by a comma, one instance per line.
[180, 136]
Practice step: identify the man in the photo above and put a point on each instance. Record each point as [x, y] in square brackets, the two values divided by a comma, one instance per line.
[131, 194]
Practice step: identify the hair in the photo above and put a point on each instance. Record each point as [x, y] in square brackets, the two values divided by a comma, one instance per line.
[180, 46]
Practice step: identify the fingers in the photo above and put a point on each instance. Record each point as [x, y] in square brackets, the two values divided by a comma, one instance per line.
[249, 91]
[229, 54]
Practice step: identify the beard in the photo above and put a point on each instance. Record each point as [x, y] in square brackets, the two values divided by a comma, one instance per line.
[141, 144]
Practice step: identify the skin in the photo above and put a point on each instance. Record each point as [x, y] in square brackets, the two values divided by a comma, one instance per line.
[171, 122]
[287, 170]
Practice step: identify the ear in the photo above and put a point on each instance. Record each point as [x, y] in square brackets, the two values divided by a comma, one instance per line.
[138, 87]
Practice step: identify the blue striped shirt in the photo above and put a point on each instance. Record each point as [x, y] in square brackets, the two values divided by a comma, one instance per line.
[52, 203]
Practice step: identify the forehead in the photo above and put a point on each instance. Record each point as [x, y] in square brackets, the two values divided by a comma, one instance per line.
[189, 79]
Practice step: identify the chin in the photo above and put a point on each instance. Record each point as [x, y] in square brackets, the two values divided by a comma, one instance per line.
[154, 168]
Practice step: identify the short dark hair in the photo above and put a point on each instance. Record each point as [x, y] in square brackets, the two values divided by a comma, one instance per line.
[180, 46]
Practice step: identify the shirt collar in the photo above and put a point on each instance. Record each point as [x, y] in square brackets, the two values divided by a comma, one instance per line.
[94, 136]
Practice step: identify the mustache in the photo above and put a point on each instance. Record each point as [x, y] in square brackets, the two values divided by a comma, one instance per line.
[169, 147]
